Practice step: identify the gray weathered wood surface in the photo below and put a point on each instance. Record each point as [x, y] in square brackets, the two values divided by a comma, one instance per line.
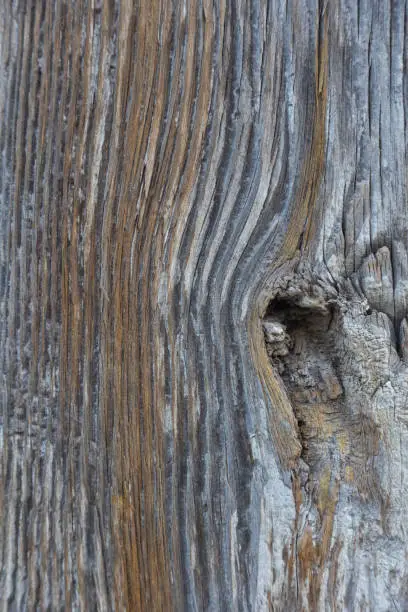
[203, 293]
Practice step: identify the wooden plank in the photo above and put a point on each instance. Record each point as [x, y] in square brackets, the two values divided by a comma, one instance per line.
[203, 293]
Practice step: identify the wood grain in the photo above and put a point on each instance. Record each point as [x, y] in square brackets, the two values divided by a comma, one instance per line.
[199, 200]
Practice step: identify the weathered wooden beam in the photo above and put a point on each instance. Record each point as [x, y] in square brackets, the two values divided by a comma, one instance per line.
[203, 293]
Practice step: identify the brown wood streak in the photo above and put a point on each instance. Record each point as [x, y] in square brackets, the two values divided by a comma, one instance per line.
[142, 575]
[118, 503]
[302, 224]
[299, 234]
[156, 184]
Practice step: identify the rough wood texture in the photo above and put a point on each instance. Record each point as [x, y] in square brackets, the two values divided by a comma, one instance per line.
[204, 294]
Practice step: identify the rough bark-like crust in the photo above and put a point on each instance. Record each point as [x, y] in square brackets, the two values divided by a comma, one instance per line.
[204, 296]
